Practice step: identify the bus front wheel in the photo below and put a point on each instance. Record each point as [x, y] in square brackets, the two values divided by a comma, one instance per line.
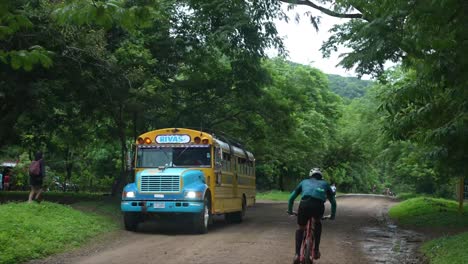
[202, 219]
[131, 221]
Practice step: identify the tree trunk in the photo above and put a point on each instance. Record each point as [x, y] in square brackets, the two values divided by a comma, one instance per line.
[135, 119]
[461, 194]
[68, 168]
[280, 181]
[121, 179]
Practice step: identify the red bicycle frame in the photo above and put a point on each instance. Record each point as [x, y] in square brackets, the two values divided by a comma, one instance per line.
[307, 247]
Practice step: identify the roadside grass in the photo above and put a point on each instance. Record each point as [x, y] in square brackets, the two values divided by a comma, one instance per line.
[109, 206]
[447, 250]
[31, 231]
[273, 195]
[406, 196]
[429, 212]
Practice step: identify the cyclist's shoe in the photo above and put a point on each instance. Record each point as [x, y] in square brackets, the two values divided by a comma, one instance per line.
[296, 259]
[317, 254]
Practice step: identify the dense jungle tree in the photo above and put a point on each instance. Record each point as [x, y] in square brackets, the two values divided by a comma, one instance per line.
[428, 38]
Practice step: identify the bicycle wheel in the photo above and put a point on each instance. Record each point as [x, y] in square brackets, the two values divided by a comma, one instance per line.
[308, 254]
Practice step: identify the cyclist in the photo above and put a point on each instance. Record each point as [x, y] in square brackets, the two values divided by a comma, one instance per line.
[315, 192]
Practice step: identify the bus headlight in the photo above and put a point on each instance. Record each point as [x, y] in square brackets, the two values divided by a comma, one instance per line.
[130, 194]
[193, 195]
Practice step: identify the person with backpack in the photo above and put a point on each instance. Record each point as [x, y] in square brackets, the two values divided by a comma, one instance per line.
[36, 177]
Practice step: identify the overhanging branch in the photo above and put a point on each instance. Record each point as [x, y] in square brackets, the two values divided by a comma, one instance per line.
[323, 9]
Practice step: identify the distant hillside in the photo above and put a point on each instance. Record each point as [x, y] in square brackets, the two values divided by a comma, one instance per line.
[348, 87]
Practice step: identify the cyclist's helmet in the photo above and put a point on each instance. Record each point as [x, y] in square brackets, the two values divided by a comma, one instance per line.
[315, 173]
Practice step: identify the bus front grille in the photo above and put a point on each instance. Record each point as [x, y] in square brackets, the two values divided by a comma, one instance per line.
[160, 183]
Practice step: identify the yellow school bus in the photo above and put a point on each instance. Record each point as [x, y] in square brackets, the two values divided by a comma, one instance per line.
[182, 172]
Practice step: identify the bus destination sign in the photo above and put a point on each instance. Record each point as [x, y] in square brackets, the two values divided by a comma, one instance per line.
[164, 139]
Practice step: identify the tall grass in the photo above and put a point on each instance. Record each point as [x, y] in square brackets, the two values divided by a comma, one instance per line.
[447, 250]
[429, 212]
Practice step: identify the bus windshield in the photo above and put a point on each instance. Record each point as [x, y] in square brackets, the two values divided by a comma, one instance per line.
[174, 157]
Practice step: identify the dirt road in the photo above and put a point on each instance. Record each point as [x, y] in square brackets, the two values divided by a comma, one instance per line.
[266, 236]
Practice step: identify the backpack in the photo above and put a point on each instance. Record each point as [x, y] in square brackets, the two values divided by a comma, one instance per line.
[35, 168]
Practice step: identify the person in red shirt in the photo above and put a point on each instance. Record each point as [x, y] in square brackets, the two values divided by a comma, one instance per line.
[6, 181]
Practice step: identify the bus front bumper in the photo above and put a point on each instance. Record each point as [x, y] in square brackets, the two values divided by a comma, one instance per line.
[162, 206]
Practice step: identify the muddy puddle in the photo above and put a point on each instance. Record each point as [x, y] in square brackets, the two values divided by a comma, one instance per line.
[390, 244]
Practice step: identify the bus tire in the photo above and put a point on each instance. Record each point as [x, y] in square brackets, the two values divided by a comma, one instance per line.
[131, 221]
[201, 220]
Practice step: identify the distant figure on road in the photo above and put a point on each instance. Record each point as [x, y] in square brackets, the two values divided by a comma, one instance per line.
[388, 192]
[36, 177]
[374, 188]
[333, 188]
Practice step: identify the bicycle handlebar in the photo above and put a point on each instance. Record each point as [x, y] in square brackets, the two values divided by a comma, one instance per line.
[326, 217]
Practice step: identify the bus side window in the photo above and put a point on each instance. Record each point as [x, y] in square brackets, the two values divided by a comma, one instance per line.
[218, 160]
[242, 165]
[226, 162]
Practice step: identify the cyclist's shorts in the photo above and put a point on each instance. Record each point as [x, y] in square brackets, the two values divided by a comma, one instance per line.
[308, 208]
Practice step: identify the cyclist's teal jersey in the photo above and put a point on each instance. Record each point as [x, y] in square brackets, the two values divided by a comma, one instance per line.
[313, 188]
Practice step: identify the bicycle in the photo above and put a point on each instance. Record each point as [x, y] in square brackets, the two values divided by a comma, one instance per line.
[307, 252]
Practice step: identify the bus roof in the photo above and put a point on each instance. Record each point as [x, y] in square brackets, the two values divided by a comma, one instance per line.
[236, 148]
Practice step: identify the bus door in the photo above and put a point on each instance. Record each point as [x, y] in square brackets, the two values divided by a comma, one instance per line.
[218, 167]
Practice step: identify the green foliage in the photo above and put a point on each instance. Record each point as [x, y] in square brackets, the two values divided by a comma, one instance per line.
[30, 231]
[423, 111]
[301, 113]
[348, 87]
[352, 159]
[429, 212]
[425, 99]
[26, 59]
[123, 67]
[14, 20]
[20, 179]
[107, 13]
[365, 154]
[81, 79]
[447, 250]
